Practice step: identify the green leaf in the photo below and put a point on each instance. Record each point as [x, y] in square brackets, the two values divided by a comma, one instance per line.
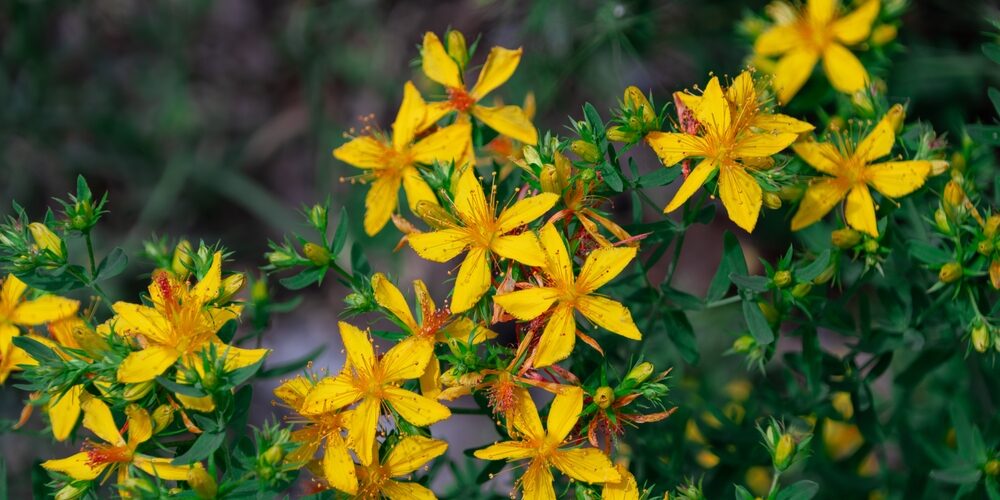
[340, 237]
[958, 474]
[802, 490]
[732, 262]
[967, 437]
[929, 254]
[682, 335]
[228, 331]
[994, 98]
[359, 263]
[757, 323]
[186, 390]
[82, 189]
[594, 119]
[611, 177]
[986, 134]
[205, 445]
[240, 375]
[815, 268]
[111, 265]
[37, 350]
[926, 362]
[992, 51]
[304, 278]
[658, 177]
[742, 493]
[750, 283]
[291, 366]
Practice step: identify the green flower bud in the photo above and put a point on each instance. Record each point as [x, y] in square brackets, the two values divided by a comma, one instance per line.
[883, 34]
[318, 216]
[162, 417]
[457, 48]
[827, 274]
[603, 397]
[871, 245]
[845, 238]
[950, 272]
[980, 338]
[941, 221]
[202, 483]
[772, 200]
[801, 290]
[45, 239]
[992, 467]
[316, 254]
[231, 285]
[72, 491]
[770, 313]
[258, 292]
[782, 279]
[619, 134]
[784, 452]
[587, 151]
[640, 372]
[135, 392]
[985, 247]
[744, 344]
[273, 455]
[182, 260]
[991, 225]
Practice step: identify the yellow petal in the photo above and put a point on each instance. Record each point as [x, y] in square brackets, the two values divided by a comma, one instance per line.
[237, 357]
[140, 426]
[416, 409]
[409, 117]
[526, 418]
[465, 330]
[134, 319]
[97, 418]
[208, 287]
[399, 490]
[64, 411]
[434, 112]
[608, 314]
[44, 309]
[411, 453]
[821, 12]
[860, 210]
[624, 489]
[558, 338]
[529, 303]
[507, 450]
[781, 123]
[338, 467]
[161, 468]
[880, 140]
[537, 482]
[603, 265]
[761, 145]
[843, 69]
[147, 364]
[446, 145]
[12, 290]
[204, 404]
[500, 64]
[75, 466]
[364, 423]
[472, 282]
[406, 360]
[360, 353]
[564, 413]
[521, 247]
[855, 27]
[470, 201]
[7, 334]
[380, 203]
[389, 297]
[822, 156]
[509, 121]
[792, 71]
[741, 92]
[820, 197]
[437, 65]
[898, 178]
[439, 246]
[741, 195]
[695, 180]
[525, 211]
[362, 152]
[589, 465]
[430, 380]
[777, 40]
[713, 111]
[293, 392]
[330, 394]
[424, 299]
[558, 262]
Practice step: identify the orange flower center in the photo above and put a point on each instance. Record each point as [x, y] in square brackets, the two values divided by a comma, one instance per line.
[503, 395]
[460, 100]
[103, 454]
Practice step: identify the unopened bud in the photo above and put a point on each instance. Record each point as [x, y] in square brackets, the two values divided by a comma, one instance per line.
[991, 225]
[770, 313]
[636, 101]
[550, 180]
[744, 344]
[871, 245]
[801, 290]
[457, 48]
[980, 338]
[827, 274]
[135, 392]
[273, 455]
[992, 467]
[202, 483]
[950, 272]
[587, 151]
[316, 254]
[841, 402]
[604, 396]
[162, 417]
[640, 372]
[941, 221]
[995, 273]
[784, 452]
[954, 196]
[958, 161]
[182, 261]
[772, 200]
[45, 239]
[883, 34]
[863, 103]
[318, 216]
[230, 286]
[782, 278]
[845, 238]
[985, 247]
[896, 115]
[136, 485]
[620, 134]
[258, 292]
[72, 491]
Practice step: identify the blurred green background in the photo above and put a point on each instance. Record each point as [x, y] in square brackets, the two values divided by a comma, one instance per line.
[216, 119]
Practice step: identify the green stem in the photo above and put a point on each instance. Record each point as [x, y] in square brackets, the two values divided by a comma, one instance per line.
[90, 252]
[723, 302]
[774, 485]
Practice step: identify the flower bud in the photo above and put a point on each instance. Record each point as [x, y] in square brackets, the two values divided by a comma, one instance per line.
[640, 372]
[135, 392]
[991, 225]
[980, 338]
[784, 452]
[182, 261]
[549, 179]
[827, 274]
[801, 290]
[782, 278]
[587, 174]
[620, 134]
[995, 273]
[273, 455]
[258, 292]
[770, 313]
[603, 397]
[992, 467]
[230, 286]
[457, 48]
[845, 238]
[281, 258]
[985, 247]
[45, 239]
[318, 216]
[958, 161]
[772, 200]
[841, 402]
[202, 483]
[136, 486]
[636, 101]
[883, 34]
[72, 491]
[744, 344]
[871, 246]
[316, 254]
[162, 417]
[587, 151]
[863, 103]
[950, 272]
[941, 221]
[939, 167]
[954, 196]
[896, 115]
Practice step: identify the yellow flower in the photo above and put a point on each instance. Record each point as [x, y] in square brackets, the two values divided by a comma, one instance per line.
[482, 233]
[180, 326]
[375, 383]
[115, 453]
[391, 163]
[434, 326]
[509, 120]
[320, 428]
[408, 455]
[819, 31]
[728, 138]
[624, 489]
[568, 294]
[546, 448]
[852, 169]
[16, 310]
